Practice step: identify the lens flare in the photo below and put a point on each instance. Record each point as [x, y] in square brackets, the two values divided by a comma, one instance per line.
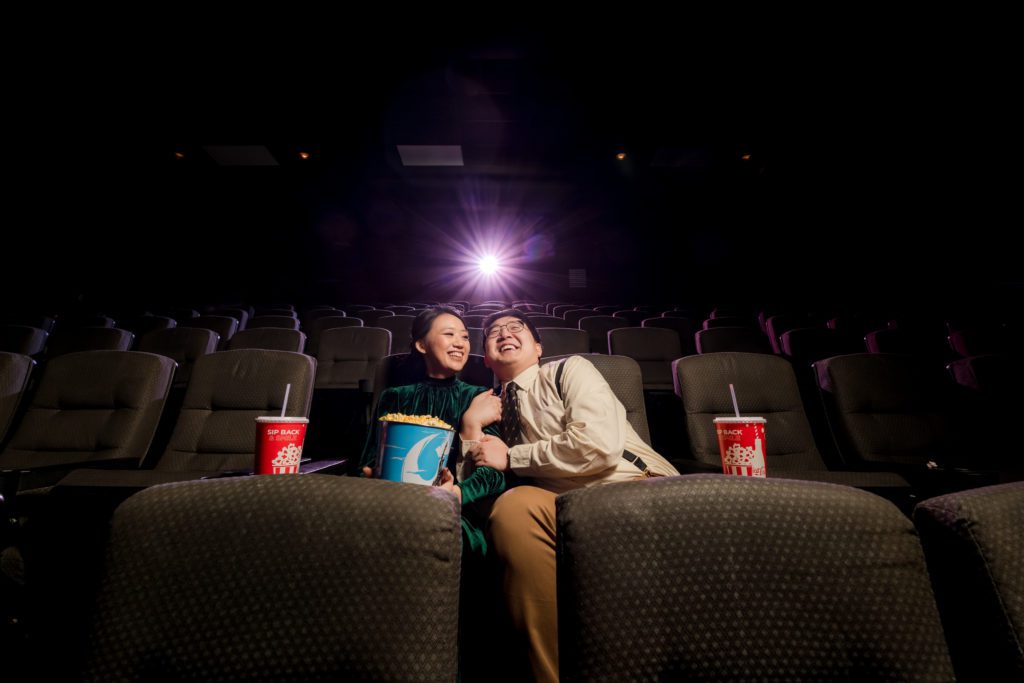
[488, 265]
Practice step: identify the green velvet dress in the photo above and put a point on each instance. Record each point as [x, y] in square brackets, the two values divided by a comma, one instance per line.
[446, 399]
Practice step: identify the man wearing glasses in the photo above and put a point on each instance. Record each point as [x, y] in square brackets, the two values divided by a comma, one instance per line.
[562, 428]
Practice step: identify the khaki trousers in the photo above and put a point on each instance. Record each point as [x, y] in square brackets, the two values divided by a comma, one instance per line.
[522, 528]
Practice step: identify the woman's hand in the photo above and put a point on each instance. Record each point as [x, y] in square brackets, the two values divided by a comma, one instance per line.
[449, 485]
[485, 409]
[368, 472]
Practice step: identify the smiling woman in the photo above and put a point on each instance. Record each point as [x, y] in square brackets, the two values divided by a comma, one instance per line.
[440, 345]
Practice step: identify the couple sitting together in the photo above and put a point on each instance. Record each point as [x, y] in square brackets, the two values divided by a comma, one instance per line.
[554, 428]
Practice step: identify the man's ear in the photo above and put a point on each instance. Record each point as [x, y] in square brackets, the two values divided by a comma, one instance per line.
[420, 347]
[487, 361]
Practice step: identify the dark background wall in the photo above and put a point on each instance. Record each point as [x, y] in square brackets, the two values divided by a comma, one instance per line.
[876, 169]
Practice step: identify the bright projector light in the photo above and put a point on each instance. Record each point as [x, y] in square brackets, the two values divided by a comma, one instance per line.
[488, 265]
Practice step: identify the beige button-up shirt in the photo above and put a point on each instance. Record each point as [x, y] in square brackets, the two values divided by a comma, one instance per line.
[576, 440]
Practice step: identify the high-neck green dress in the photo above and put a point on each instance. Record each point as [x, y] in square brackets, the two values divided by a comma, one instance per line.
[446, 399]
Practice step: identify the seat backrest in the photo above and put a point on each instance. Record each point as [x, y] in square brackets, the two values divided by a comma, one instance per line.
[90, 406]
[239, 314]
[719, 578]
[559, 310]
[633, 316]
[268, 578]
[475, 372]
[574, 315]
[144, 324]
[183, 344]
[996, 379]
[15, 371]
[275, 309]
[984, 340]
[313, 314]
[742, 339]
[400, 327]
[804, 345]
[287, 322]
[652, 348]
[548, 321]
[887, 408]
[216, 428]
[370, 318]
[225, 326]
[563, 341]
[975, 550]
[88, 339]
[765, 386]
[624, 377]
[23, 339]
[348, 355]
[276, 338]
[598, 326]
[683, 328]
[317, 327]
[776, 325]
[729, 321]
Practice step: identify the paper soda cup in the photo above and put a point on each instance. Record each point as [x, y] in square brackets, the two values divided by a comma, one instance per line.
[741, 444]
[412, 453]
[279, 444]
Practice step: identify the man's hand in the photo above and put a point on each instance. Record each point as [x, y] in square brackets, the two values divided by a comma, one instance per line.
[368, 472]
[490, 451]
[484, 409]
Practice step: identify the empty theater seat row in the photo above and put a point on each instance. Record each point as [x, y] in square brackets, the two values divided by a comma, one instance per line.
[700, 577]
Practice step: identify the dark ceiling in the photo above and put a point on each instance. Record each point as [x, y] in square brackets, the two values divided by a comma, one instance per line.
[832, 155]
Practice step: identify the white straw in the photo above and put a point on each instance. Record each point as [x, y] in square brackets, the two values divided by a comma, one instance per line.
[288, 390]
[735, 403]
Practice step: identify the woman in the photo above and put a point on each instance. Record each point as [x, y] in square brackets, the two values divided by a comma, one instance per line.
[440, 344]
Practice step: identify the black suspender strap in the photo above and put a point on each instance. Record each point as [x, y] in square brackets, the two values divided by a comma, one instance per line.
[626, 455]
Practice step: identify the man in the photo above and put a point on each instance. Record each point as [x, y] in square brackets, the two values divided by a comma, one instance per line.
[572, 432]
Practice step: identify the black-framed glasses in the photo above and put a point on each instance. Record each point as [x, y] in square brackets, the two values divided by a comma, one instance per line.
[513, 327]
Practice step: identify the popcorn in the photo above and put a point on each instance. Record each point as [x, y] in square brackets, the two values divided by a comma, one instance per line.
[422, 420]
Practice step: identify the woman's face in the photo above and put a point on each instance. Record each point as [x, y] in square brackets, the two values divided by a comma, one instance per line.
[445, 347]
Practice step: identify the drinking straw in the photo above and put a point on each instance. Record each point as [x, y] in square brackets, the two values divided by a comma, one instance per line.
[735, 403]
[288, 390]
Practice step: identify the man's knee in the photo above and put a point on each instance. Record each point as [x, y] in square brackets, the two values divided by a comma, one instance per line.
[518, 510]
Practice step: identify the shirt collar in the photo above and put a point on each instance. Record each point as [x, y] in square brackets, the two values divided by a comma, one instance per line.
[525, 379]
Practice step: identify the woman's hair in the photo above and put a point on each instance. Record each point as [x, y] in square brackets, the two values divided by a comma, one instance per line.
[420, 327]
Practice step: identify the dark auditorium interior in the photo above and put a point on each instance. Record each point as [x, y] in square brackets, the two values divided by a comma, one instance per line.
[822, 224]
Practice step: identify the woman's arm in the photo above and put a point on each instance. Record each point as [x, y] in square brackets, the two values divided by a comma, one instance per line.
[483, 482]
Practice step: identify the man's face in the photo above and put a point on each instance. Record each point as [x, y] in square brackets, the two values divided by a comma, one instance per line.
[509, 351]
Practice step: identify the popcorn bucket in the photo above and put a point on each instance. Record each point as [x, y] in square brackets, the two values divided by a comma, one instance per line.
[741, 444]
[412, 453]
[279, 444]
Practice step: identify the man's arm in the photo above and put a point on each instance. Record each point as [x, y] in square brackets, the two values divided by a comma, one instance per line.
[593, 438]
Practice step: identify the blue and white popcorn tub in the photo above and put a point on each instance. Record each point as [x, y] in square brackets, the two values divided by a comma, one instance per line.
[412, 453]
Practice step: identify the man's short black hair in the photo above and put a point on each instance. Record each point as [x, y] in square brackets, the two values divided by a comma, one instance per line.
[511, 313]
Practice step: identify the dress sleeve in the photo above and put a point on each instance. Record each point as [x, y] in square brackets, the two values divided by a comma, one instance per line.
[483, 482]
[480, 482]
